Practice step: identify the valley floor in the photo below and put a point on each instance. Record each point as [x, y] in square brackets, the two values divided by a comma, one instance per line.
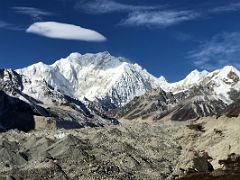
[131, 150]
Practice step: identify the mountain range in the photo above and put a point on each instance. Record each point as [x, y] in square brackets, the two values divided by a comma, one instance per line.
[89, 90]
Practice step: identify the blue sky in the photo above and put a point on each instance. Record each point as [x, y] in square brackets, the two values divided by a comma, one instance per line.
[166, 37]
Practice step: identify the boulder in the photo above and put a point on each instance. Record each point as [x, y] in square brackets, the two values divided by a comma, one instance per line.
[44, 123]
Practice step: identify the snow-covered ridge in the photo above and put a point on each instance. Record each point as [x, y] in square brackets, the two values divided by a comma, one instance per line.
[93, 76]
[220, 81]
[115, 80]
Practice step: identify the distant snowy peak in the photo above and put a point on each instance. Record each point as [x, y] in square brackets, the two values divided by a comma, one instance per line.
[228, 73]
[195, 77]
[162, 79]
[94, 76]
[164, 84]
[223, 82]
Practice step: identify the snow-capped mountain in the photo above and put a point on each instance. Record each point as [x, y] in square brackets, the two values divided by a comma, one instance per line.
[110, 82]
[192, 79]
[223, 82]
[93, 76]
[45, 105]
[199, 94]
[220, 81]
[104, 82]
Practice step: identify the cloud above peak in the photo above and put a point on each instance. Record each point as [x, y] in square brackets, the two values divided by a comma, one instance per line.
[138, 15]
[143, 14]
[35, 13]
[222, 49]
[227, 8]
[65, 31]
[163, 18]
[109, 6]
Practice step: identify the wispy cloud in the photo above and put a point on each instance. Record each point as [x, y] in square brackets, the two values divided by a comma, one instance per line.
[9, 26]
[35, 13]
[138, 15]
[222, 49]
[109, 6]
[145, 15]
[227, 8]
[3, 24]
[163, 18]
[65, 31]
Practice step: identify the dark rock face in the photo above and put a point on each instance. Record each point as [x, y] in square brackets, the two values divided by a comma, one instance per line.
[15, 114]
[202, 165]
[143, 106]
[234, 109]
[192, 110]
[10, 80]
[232, 75]
[191, 104]
[232, 163]
[198, 102]
[230, 171]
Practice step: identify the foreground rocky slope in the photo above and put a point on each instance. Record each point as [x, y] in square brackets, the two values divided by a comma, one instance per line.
[139, 152]
[130, 151]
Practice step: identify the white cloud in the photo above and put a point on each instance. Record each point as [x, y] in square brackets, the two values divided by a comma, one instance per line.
[163, 18]
[35, 13]
[223, 49]
[108, 6]
[65, 31]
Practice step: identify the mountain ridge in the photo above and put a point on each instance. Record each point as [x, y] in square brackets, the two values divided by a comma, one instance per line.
[94, 75]
[112, 79]
[105, 84]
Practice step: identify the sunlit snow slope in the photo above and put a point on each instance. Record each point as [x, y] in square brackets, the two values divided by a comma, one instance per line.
[93, 76]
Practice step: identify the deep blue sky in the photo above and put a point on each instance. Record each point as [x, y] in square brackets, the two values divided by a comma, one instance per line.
[166, 37]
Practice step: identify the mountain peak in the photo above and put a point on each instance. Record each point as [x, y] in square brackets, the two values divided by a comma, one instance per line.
[226, 72]
[39, 64]
[196, 73]
[162, 79]
[228, 69]
[192, 78]
[75, 55]
[95, 76]
[104, 53]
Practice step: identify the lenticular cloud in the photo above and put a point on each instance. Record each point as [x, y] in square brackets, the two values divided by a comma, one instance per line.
[65, 31]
